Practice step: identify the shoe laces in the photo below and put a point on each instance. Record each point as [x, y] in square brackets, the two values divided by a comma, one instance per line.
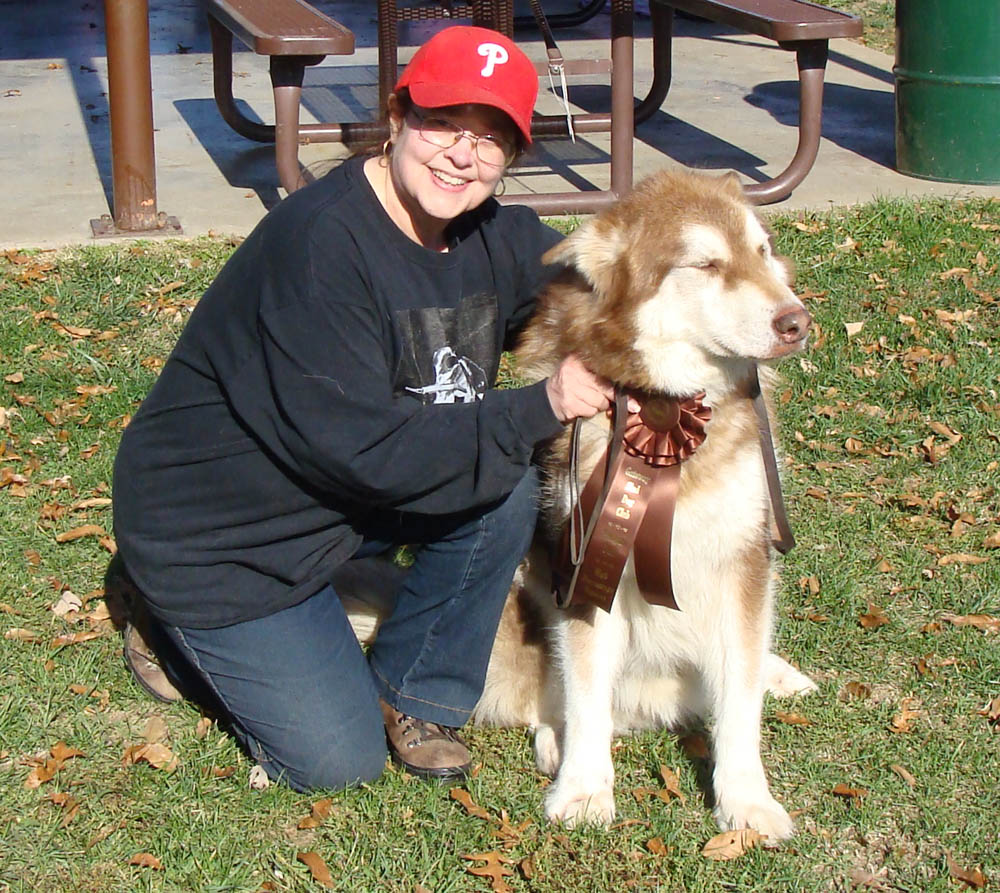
[424, 730]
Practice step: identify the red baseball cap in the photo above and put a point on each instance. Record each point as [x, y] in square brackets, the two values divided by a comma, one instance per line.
[463, 64]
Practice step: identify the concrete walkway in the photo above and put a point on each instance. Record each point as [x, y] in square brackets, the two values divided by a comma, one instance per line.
[733, 105]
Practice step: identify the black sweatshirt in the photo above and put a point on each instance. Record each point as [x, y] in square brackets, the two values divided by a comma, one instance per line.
[334, 368]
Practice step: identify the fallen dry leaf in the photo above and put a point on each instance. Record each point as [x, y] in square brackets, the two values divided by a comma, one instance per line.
[855, 690]
[973, 878]
[65, 801]
[105, 832]
[853, 794]
[792, 719]
[901, 722]
[95, 502]
[80, 532]
[642, 793]
[76, 638]
[69, 601]
[961, 558]
[41, 774]
[202, 727]
[94, 390]
[656, 846]
[904, 774]
[156, 730]
[102, 696]
[671, 786]
[20, 634]
[74, 332]
[158, 756]
[509, 834]
[731, 844]
[319, 811]
[146, 860]
[810, 583]
[875, 617]
[471, 807]
[62, 751]
[992, 710]
[859, 877]
[46, 769]
[317, 868]
[853, 328]
[495, 868]
[985, 622]
[526, 866]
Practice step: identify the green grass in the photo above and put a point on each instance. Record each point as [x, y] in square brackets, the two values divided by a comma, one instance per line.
[879, 17]
[862, 415]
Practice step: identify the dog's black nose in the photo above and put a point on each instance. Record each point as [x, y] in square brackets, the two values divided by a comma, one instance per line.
[792, 325]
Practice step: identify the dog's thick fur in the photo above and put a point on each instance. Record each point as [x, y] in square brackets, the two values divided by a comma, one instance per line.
[674, 290]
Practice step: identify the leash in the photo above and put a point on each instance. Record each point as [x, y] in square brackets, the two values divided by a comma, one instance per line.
[781, 538]
[631, 500]
[578, 539]
[557, 65]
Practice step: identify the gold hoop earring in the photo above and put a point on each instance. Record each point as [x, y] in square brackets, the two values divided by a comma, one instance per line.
[500, 188]
[387, 148]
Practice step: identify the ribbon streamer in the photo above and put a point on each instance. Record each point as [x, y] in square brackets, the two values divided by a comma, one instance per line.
[637, 513]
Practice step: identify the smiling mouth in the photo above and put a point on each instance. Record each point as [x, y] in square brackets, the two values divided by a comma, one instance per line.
[447, 179]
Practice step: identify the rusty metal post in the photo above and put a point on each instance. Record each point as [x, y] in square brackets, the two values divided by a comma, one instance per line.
[622, 96]
[133, 169]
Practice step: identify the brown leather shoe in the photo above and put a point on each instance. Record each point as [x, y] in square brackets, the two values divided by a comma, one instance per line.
[144, 664]
[425, 748]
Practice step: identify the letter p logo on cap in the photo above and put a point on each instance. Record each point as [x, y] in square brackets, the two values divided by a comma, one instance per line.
[495, 55]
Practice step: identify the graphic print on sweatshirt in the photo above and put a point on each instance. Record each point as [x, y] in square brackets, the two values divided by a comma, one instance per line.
[448, 354]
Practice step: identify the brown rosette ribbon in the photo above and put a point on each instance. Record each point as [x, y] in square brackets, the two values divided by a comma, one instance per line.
[638, 511]
[666, 431]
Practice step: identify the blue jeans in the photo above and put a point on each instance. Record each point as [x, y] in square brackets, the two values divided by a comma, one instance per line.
[299, 693]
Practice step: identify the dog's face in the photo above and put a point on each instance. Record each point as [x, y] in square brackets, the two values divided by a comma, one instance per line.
[685, 269]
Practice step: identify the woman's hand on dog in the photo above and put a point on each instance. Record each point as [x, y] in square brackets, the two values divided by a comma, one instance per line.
[577, 393]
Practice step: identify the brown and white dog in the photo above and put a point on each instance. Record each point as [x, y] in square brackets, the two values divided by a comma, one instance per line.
[672, 291]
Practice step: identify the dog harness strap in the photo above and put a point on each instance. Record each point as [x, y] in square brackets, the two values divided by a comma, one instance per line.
[782, 538]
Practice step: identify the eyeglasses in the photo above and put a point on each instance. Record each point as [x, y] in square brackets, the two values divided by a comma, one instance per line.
[490, 149]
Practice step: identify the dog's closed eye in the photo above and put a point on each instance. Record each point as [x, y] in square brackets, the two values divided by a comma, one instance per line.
[708, 266]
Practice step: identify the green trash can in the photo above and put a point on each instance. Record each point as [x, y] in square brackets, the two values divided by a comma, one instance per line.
[947, 75]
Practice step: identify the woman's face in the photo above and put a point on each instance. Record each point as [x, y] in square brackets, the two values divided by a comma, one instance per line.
[433, 183]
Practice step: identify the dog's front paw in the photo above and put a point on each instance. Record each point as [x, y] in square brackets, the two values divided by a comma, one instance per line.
[766, 816]
[547, 754]
[783, 680]
[575, 804]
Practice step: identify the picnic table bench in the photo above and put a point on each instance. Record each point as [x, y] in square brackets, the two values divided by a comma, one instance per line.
[798, 25]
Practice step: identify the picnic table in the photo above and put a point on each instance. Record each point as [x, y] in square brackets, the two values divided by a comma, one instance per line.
[294, 34]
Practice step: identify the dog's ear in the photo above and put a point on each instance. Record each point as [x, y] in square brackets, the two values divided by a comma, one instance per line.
[731, 184]
[595, 251]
